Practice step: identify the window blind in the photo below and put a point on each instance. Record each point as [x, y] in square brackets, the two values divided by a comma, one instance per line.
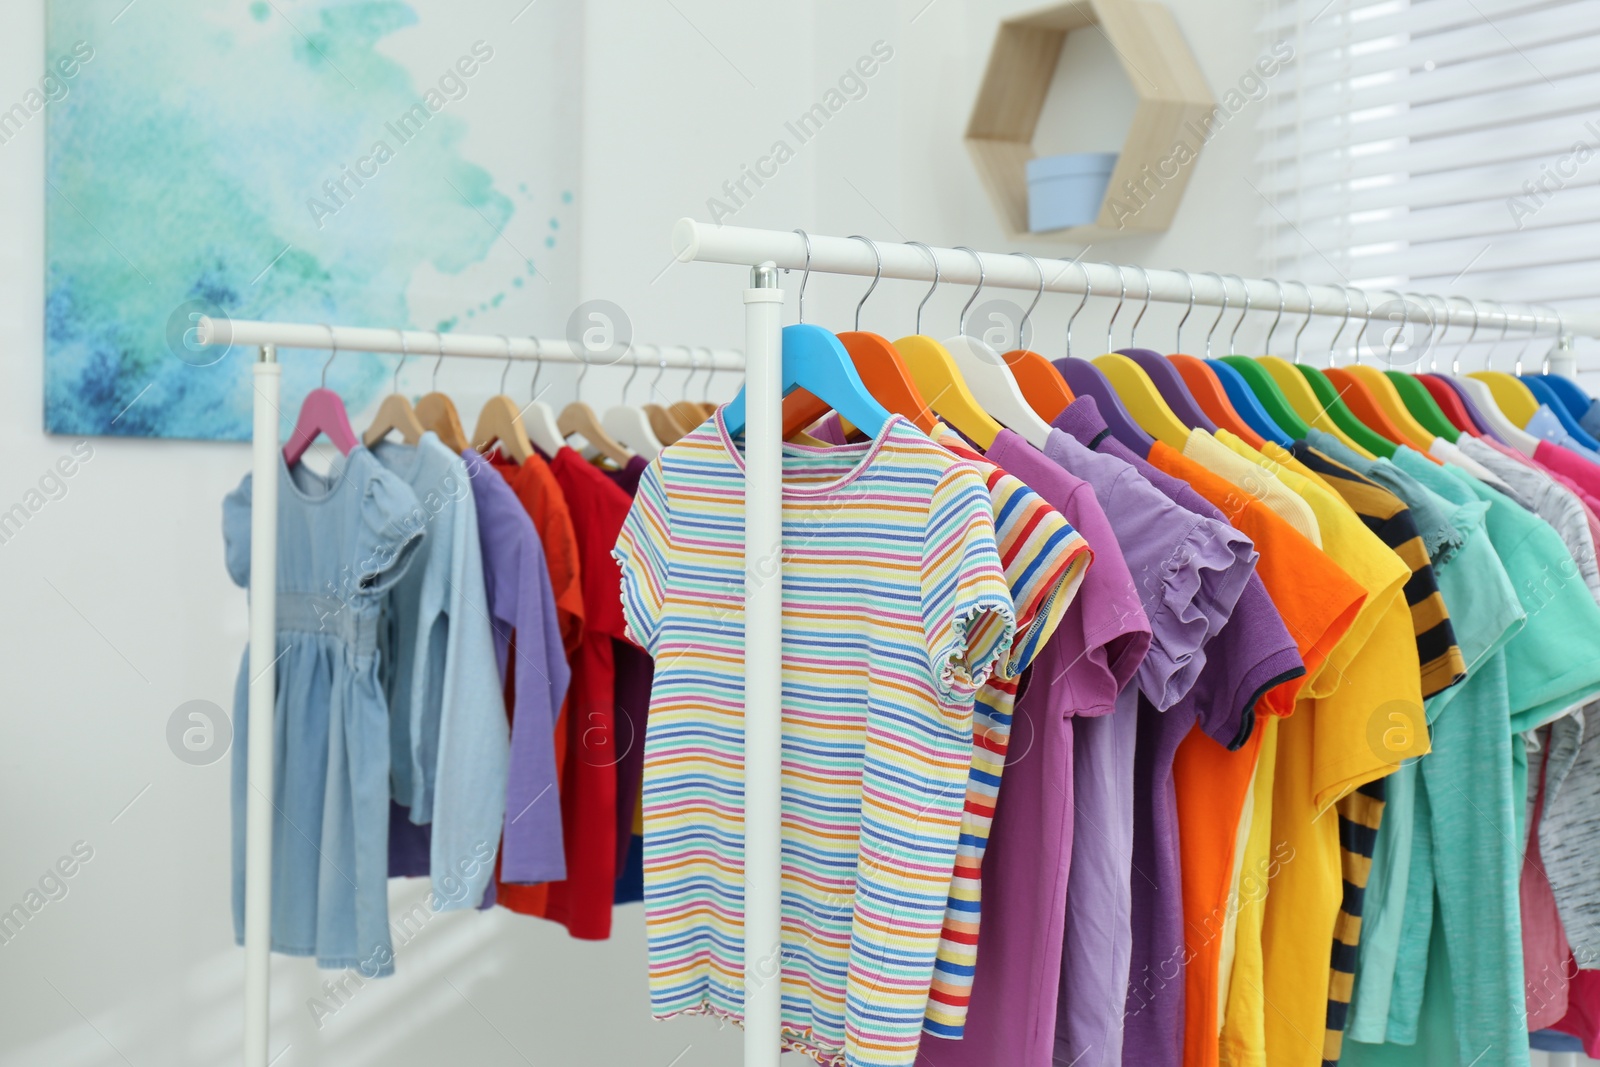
[1449, 147]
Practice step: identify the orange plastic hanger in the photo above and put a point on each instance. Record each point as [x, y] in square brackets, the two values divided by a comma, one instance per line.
[1043, 387]
[1212, 398]
[1353, 391]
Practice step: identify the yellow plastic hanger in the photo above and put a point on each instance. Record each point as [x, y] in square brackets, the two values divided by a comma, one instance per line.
[1138, 393]
[1513, 398]
[936, 376]
[1296, 390]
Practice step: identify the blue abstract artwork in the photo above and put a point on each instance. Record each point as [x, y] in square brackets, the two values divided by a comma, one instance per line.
[373, 163]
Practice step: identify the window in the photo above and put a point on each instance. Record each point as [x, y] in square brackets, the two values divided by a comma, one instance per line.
[1449, 147]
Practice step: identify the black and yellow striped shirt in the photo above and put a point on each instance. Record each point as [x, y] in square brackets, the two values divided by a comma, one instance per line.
[1442, 666]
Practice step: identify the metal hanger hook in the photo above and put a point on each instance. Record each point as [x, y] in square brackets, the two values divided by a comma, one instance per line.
[438, 339]
[1088, 291]
[1505, 325]
[404, 354]
[1394, 338]
[1233, 346]
[711, 368]
[635, 354]
[1133, 331]
[961, 323]
[1022, 327]
[1122, 294]
[1303, 325]
[804, 278]
[509, 361]
[694, 365]
[538, 368]
[877, 274]
[1220, 314]
[1177, 336]
[1333, 343]
[1267, 348]
[931, 288]
[333, 353]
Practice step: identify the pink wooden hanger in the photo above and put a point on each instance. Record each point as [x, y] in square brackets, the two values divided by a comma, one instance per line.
[321, 413]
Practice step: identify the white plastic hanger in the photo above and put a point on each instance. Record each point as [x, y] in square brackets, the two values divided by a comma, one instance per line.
[989, 377]
[537, 417]
[631, 425]
[1513, 435]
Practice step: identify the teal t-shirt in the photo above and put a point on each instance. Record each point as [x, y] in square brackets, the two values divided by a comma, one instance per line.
[1485, 614]
[1465, 857]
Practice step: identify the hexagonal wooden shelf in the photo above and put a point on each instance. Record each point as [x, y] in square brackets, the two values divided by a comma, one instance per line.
[1151, 173]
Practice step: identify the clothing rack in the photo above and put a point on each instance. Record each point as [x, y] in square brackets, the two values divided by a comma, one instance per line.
[766, 251]
[267, 338]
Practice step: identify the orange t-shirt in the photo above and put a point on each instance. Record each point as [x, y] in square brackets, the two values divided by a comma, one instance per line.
[1318, 602]
[540, 495]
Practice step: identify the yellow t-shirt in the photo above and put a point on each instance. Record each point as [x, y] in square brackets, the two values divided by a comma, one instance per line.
[1253, 479]
[1338, 739]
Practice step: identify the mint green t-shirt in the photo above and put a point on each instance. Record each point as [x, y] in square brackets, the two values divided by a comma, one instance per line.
[1465, 854]
[1485, 612]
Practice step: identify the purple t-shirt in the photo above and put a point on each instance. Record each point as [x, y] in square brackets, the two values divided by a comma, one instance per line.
[1251, 653]
[521, 601]
[634, 672]
[1189, 570]
[1091, 656]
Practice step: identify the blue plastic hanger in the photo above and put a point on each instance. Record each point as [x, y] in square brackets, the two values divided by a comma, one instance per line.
[1571, 395]
[815, 360]
[1542, 392]
[1085, 379]
[1243, 398]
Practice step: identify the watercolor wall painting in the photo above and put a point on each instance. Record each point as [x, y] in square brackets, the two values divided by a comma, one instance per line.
[365, 162]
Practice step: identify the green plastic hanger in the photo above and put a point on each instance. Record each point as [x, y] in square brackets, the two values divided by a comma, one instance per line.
[1273, 402]
[1415, 396]
[1328, 395]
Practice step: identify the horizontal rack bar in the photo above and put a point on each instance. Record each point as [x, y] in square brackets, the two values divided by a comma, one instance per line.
[705, 242]
[247, 332]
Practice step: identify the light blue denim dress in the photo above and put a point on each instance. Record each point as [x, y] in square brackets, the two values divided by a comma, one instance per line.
[343, 540]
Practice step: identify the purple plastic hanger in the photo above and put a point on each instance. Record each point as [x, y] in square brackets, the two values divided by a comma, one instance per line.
[322, 412]
[1085, 379]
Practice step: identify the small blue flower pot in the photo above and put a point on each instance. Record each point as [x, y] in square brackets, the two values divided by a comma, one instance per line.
[1066, 191]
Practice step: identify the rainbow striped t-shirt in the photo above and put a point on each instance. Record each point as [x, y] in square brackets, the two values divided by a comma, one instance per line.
[890, 575]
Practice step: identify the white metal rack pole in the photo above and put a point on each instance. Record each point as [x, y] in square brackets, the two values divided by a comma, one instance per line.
[266, 377]
[705, 242]
[427, 343]
[763, 672]
[265, 414]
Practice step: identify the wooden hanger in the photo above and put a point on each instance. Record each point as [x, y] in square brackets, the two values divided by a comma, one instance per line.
[579, 418]
[814, 359]
[686, 411]
[500, 422]
[938, 378]
[396, 412]
[989, 377]
[880, 366]
[630, 425]
[666, 428]
[322, 412]
[437, 412]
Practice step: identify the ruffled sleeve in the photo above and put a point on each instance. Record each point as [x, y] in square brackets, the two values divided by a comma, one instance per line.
[1189, 595]
[392, 526]
[236, 531]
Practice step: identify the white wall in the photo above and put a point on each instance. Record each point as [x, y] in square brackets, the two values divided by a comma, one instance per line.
[116, 608]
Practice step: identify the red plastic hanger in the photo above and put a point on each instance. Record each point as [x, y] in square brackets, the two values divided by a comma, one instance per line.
[322, 412]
